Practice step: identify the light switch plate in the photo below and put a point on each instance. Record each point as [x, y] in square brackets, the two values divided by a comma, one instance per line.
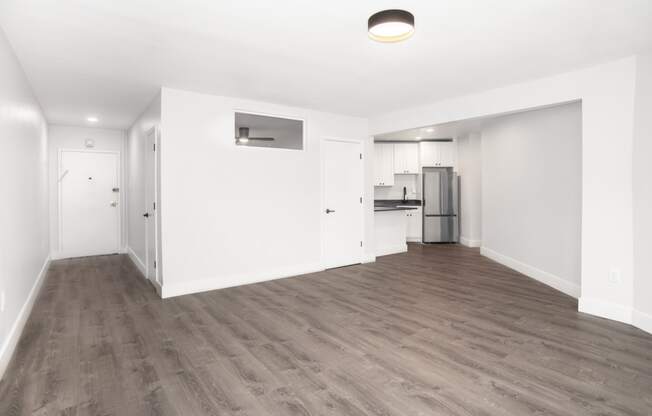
[614, 276]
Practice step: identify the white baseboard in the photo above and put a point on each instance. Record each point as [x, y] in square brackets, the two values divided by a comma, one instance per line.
[158, 287]
[642, 320]
[137, 261]
[605, 309]
[59, 255]
[385, 251]
[16, 330]
[413, 240]
[368, 258]
[569, 288]
[212, 283]
[470, 243]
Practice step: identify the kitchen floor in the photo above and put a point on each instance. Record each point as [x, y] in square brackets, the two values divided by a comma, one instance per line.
[439, 330]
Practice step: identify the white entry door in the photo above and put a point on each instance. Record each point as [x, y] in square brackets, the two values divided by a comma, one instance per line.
[342, 212]
[89, 196]
[151, 217]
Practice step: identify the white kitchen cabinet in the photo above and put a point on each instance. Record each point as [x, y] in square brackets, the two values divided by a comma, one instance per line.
[438, 154]
[447, 154]
[383, 164]
[406, 158]
[414, 225]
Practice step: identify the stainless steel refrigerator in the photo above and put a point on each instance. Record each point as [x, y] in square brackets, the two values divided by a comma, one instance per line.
[440, 205]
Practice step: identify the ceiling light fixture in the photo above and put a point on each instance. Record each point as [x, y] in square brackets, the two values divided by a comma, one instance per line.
[92, 119]
[391, 25]
[430, 130]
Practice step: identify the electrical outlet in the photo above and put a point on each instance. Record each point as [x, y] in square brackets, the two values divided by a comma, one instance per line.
[2, 301]
[614, 276]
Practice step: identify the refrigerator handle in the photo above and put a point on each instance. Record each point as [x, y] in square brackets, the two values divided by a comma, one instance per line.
[441, 194]
[423, 193]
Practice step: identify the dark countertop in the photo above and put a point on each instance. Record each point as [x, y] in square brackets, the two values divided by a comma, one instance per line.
[396, 205]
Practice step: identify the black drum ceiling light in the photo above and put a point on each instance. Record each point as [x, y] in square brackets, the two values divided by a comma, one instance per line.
[391, 25]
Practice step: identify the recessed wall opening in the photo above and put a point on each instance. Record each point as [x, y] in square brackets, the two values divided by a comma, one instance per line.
[520, 186]
[256, 130]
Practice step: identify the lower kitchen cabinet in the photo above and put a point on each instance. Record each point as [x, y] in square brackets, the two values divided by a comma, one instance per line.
[414, 225]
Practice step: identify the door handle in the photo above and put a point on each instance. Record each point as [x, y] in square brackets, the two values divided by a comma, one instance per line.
[328, 211]
[146, 215]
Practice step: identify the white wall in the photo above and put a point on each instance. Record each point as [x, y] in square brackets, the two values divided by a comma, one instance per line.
[607, 95]
[233, 214]
[23, 212]
[642, 176]
[136, 138]
[411, 182]
[531, 193]
[72, 137]
[469, 167]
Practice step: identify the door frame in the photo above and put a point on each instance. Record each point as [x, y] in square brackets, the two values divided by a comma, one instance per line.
[322, 204]
[61, 254]
[155, 221]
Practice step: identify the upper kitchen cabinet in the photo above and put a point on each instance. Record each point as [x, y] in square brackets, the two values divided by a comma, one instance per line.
[447, 153]
[438, 154]
[384, 164]
[406, 158]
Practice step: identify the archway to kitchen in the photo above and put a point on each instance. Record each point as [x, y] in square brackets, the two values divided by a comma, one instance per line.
[507, 185]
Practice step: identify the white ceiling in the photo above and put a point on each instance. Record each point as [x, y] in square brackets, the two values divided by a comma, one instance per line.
[110, 57]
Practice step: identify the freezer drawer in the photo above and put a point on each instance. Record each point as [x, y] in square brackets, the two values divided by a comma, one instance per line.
[440, 229]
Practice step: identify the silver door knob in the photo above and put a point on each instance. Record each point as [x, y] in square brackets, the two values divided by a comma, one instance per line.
[328, 211]
[114, 203]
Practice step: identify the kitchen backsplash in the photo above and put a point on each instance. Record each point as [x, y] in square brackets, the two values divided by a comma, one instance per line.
[411, 182]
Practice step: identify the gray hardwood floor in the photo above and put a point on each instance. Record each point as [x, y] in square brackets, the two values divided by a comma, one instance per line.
[436, 331]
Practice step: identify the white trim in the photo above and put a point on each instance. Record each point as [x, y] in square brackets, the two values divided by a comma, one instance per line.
[57, 255]
[385, 251]
[137, 261]
[368, 258]
[605, 309]
[470, 243]
[9, 346]
[155, 217]
[413, 239]
[556, 282]
[220, 282]
[158, 287]
[642, 320]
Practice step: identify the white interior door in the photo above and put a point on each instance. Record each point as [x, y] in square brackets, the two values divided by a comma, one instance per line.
[343, 184]
[150, 214]
[89, 212]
